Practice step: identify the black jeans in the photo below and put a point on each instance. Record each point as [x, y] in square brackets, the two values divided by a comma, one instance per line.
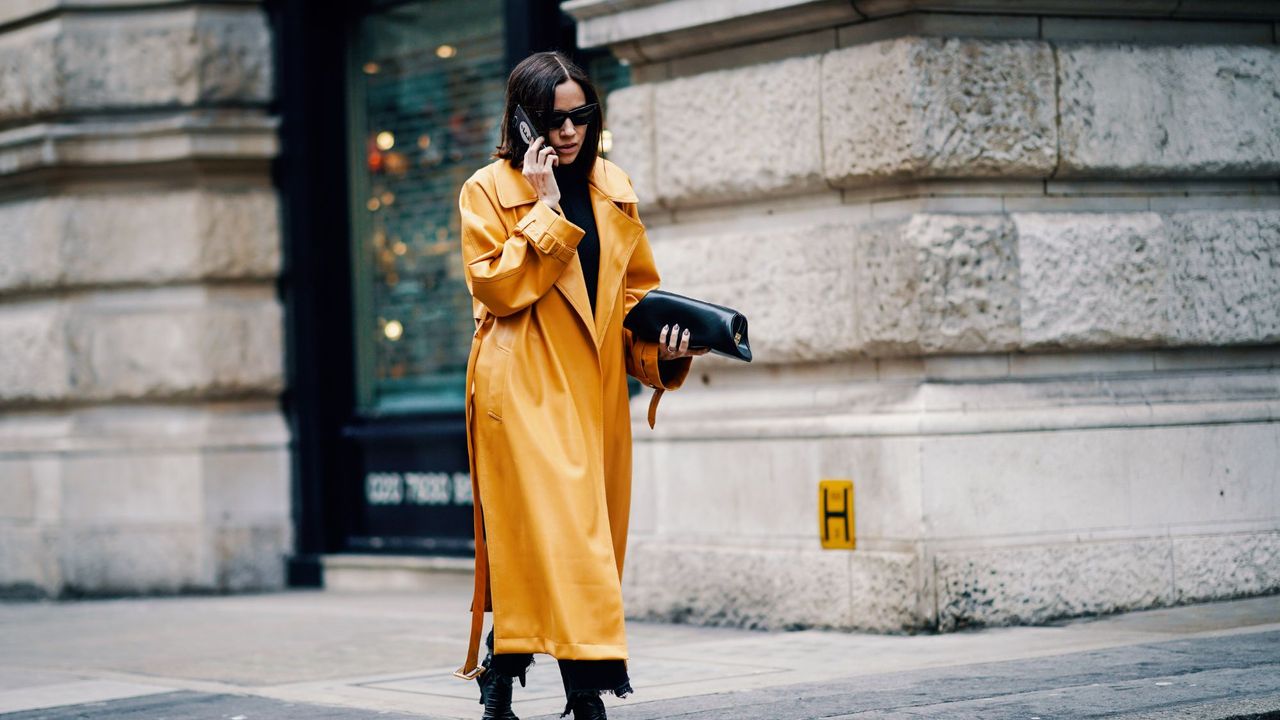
[594, 676]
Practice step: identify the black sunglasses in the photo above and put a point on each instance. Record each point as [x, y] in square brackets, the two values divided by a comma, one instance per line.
[552, 119]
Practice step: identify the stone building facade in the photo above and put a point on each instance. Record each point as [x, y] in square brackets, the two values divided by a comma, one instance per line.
[142, 447]
[1013, 267]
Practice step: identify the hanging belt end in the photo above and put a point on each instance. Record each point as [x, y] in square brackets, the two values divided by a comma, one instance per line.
[653, 406]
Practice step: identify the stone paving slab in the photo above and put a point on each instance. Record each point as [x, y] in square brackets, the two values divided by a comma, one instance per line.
[1115, 682]
[326, 653]
[76, 692]
[188, 705]
[1233, 676]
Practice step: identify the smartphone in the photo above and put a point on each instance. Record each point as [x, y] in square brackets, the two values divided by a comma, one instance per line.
[524, 127]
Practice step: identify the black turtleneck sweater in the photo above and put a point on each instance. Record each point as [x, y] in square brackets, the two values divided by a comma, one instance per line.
[575, 203]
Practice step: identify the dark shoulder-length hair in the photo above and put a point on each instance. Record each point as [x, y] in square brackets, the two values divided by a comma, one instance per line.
[532, 86]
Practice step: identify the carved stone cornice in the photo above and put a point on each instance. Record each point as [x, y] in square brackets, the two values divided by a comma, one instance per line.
[645, 31]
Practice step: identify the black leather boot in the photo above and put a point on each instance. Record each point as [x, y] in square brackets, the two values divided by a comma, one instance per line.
[495, 689]
[585, 706]
[495, 693]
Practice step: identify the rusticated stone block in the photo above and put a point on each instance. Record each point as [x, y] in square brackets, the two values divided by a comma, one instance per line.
[1170, 111]
[1226, 274]
[886, 289]
[795, 285]
[932, 284]
[138, 238]
[92, 61]
[1142, 279]
[30, 246]
[884, 592]
[1029, 585]
[1215, 567]
[1094, 280]
[771, 589]
[116, 559]
[631, 124]
[18, 480]
[251, 558]
[930, 107]
[30, 83]
[1019, 484]
[132, 488]
[764, 137]
[233, 58]
[246, 487]
[969, 300]
[937, 284]
[213, 479]
[33, 353]
[238, 234]
[148, 62]
[121, 510]
[211, 351]
[28, 562]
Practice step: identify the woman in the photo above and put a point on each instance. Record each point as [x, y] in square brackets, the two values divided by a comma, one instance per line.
[555, 256]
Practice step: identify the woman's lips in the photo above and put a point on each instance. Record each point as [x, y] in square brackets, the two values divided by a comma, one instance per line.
[566, 148]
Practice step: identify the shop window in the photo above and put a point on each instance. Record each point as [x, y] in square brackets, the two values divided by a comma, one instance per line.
[427, 82]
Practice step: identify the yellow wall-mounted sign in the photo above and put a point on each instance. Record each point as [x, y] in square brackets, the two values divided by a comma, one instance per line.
[835, 514]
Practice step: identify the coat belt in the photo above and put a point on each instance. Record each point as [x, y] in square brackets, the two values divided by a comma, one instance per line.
[470, 668]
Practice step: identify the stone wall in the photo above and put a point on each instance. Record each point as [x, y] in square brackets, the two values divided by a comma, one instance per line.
[1017, 274]
[142, 448]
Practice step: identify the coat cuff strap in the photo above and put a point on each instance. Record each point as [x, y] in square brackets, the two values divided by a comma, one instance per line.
[550, 232]
[662, 374]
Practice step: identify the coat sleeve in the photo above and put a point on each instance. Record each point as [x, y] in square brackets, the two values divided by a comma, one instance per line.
[508, 273]
[641, 356]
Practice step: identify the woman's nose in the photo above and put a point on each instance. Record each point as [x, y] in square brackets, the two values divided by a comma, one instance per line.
[568, 128]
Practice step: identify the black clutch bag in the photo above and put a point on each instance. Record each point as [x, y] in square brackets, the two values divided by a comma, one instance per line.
[722, 329]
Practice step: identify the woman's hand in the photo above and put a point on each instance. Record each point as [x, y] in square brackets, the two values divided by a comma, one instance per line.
[674, 344]
[538, 161]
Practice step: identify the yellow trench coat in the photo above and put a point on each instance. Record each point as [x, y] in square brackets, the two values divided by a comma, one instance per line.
[548, 422]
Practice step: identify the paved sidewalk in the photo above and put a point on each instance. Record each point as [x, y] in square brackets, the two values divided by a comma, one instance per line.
[325, 654]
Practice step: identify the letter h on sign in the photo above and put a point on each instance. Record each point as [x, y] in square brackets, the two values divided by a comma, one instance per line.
[835, 514]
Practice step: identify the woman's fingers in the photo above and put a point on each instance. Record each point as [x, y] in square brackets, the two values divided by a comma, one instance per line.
[531, 153]
[675, 344]
[535, 158]
[531, 165]
[539, 159]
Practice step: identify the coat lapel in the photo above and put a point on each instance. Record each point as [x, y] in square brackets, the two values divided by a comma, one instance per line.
[618, 237]
[573, 284]
[618, 233]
